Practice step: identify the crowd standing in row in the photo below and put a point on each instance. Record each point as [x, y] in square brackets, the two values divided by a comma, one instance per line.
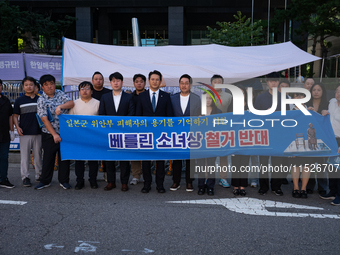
[37, 122]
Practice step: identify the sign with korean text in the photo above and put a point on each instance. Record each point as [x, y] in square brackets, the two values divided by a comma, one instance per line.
[38, 65]
[149, 138]
[12, 67]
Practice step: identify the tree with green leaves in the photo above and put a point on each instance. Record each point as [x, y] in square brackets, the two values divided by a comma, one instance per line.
[318, 18]
[238, 33]
[38, 31]
[44, 34]
[10, 24]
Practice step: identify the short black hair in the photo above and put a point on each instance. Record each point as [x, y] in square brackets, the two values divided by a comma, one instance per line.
[46, 78]
[38, 86]
[116, 75]
[29, 78]
[285, 81]
[0, 82]
[97, 73]
[84, 84]
[138, 75]
[273, 76]
[292, 95]
[308, 78]
[186, 76]
[216, 76]
[155, 72]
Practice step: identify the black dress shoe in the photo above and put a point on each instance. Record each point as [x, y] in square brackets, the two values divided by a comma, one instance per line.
[262, 192]
[93, 184]
[146, 189]
[79, 185]
[243, 192]
[296, 193]
[278, 192]
[303, 194]
[201, 191]
[236, 192]
[160, 189]
[210, 192]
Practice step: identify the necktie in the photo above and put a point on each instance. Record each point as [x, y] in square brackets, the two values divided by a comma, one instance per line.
[153, 102]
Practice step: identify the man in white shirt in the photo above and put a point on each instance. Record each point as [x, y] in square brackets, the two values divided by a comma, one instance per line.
[117, 103]
[186, 104]
[154, 103]
[85, 105]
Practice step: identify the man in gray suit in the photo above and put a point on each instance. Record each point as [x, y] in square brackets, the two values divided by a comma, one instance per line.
[184, 104]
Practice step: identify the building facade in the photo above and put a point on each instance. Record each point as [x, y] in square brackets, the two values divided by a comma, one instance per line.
[167, 22]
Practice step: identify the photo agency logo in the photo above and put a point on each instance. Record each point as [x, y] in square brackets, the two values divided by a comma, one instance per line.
[238, 99]
[204, 97]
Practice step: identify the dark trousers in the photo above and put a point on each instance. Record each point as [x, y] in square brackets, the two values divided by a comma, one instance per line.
[321, 177]
[334, 179]
[50, 150]
[124, 171]
[4, 149]
[209, 182]
[276, 177]
[177, 171]
[160, 173]
[80, 170]
[334, 183]
[238, 178]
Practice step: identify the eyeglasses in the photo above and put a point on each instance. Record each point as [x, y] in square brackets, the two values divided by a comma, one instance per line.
[86, 88]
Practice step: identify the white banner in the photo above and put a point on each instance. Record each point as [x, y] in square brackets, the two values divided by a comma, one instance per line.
[81, 60]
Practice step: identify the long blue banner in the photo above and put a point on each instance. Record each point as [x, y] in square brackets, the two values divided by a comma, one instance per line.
[149, 138]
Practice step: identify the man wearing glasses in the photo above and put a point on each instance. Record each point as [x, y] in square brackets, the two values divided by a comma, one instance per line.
[86, 105]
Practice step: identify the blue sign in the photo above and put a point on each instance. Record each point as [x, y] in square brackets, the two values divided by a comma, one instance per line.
[149, 138]
[38, 65]
[12, 67]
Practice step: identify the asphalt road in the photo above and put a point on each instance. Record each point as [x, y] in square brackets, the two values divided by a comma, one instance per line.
[57, 221]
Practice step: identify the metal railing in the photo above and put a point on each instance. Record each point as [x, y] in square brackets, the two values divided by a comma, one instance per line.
[73, 94]
[12, 90]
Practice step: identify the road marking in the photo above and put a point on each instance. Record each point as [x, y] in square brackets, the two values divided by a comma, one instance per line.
[8, 202]
[143, 251]
[52, 245]
[253, 206]
[86, 247]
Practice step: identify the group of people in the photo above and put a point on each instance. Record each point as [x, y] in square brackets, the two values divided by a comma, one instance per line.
[36, 119]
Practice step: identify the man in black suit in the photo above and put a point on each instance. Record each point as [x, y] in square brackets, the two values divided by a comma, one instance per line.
[157, 103]
[117, 103]
[184, 104]
[139, 82]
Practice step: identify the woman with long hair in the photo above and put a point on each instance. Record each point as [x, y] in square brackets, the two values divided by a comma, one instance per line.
[318, 103]
[300, 165]
[240, 179]
[208, 183]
